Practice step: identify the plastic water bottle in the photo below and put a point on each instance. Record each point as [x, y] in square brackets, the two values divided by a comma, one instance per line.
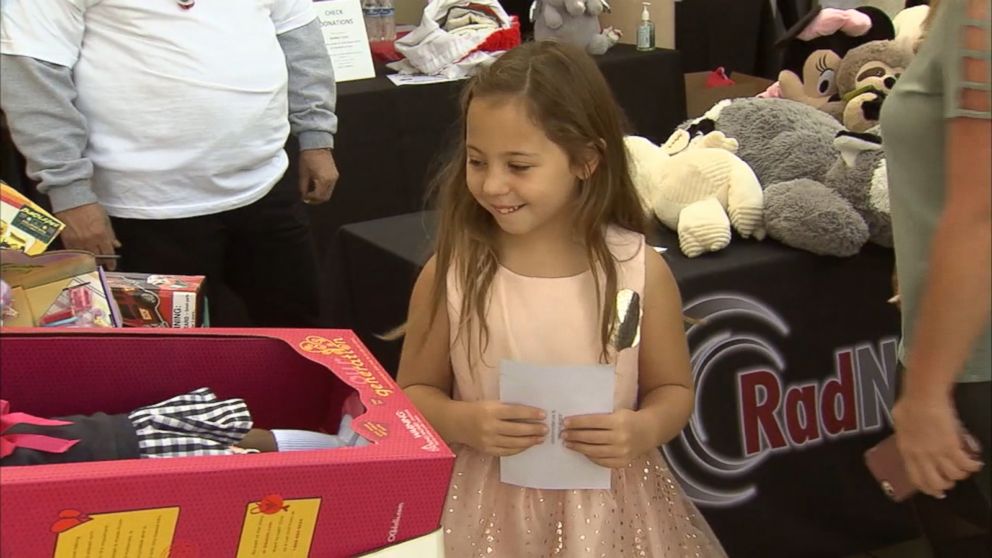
[380, 20]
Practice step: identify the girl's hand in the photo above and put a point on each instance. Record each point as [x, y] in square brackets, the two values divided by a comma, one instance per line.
[500, 429]
[612, 440]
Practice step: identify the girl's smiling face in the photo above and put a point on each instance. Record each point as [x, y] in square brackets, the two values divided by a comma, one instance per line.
[514, 170]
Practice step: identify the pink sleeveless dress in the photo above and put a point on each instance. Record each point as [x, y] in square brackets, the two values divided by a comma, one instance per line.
[555, 321]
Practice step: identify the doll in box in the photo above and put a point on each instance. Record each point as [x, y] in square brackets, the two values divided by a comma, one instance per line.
[195, 423]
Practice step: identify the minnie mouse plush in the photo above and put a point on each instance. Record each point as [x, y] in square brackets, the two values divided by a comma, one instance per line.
[816, 44]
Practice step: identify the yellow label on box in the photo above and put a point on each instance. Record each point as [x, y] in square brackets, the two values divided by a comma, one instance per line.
[115, 535]
[279, 528]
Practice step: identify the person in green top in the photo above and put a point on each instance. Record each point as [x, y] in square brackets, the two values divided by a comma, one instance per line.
[938, 143]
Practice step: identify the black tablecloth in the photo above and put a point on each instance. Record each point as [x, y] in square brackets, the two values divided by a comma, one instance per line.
[735, 34]
[782, 330]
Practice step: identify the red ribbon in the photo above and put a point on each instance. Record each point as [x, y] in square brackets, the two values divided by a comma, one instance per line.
[719, 78]
[39, 442]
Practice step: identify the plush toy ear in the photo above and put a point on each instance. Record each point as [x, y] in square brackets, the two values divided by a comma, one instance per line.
[853, 144]
[788, 10]
[717, 140]
[702, 127]
[881, 27]
[715, 110]
[797, 50]
[677, 142]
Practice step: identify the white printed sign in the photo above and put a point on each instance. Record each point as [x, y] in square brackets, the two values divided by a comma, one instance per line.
[347, 42]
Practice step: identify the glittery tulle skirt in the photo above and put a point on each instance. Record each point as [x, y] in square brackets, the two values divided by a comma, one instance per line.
[644, 514]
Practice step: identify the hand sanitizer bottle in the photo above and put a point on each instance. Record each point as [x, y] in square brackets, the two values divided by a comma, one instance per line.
[645, 30]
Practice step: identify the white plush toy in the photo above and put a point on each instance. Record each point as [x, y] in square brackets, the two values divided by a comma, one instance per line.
[698, 188]
[909, 26]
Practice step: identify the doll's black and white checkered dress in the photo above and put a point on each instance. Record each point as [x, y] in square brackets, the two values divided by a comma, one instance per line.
[195, 423]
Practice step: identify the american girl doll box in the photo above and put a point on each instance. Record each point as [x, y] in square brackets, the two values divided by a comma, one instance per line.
[322, 503]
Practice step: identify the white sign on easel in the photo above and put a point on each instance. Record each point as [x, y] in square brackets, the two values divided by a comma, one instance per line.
[347, 42]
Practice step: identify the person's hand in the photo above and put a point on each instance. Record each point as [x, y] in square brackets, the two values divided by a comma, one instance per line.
[611, 440]
[929, 437]
[318, 175]
[87, 227]
[500, 429]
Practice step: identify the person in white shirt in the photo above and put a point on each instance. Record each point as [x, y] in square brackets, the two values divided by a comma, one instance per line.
[157, 129]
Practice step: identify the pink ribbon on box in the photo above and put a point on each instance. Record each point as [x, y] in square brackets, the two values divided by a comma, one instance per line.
[39, 442]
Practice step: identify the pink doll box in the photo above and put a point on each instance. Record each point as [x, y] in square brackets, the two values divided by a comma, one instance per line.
[328, 503]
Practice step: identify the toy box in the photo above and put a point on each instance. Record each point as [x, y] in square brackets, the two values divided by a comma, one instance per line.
[325, 503]
[158, 300]
[58, 288]
[24, 225]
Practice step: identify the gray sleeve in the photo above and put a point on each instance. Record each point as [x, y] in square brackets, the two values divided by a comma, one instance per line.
[312, 92]
[47, 128]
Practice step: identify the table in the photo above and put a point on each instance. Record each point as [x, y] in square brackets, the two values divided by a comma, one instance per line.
[794, 363]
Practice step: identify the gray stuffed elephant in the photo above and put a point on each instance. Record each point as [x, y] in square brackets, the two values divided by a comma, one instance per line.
[575, 22]
[825, 188]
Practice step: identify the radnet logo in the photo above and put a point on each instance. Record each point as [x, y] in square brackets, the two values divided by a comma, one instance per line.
[772, 415]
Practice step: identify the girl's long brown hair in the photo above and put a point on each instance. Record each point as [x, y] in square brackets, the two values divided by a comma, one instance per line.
[568, 98]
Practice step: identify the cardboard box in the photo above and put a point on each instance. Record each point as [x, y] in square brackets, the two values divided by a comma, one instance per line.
[24, 225]
[700, 98]
[327, 503]
[147, 300]
[54, 288]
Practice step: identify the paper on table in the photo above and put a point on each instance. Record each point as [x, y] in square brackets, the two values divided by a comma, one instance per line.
[561, 391]
[417, 79]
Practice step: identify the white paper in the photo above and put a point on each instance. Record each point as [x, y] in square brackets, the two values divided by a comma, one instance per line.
[562, 392]
[343, 27]
[417, 79]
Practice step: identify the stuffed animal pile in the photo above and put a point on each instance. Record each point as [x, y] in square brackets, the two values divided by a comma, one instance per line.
[806, 169]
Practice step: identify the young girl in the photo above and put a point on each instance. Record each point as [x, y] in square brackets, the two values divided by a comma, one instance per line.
[539, 239]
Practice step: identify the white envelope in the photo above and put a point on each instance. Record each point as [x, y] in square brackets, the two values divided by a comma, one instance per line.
[562, 392]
